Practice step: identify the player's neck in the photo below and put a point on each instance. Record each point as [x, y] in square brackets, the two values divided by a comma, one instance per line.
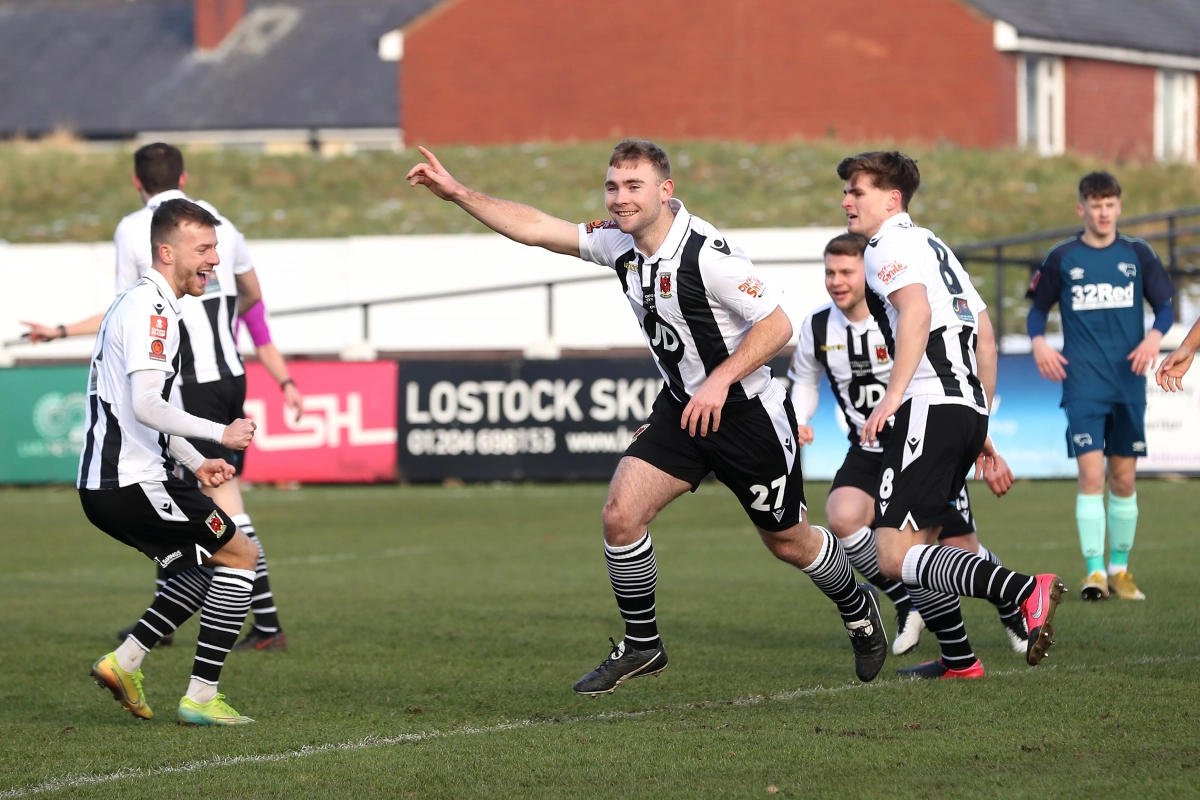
[648, 241]
[857, 312]
[168, 276]
[1096, 240]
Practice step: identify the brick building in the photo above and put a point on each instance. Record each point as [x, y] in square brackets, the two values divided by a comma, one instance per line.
[1107, 77]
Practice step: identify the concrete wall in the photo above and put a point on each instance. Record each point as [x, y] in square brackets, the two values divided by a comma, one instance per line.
[55, 284]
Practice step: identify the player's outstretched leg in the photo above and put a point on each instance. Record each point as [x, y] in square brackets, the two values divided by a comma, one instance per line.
[224, 610]
[161, 577]
[266, 632]
[830, 572]
[1009, 612]
[943, 615]
[121, 671]
[863, 554]
[953, 571]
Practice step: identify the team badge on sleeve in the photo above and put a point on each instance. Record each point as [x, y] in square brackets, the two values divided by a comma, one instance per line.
[753, 287]
[963, 310]
[890, 271]
[664, 285]
[215, 524]
[158, 327]
[157, 350]
[601, 224]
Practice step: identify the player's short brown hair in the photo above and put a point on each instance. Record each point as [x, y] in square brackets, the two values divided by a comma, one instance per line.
[888, 170]
[158, 167]
[631, 152]
[847, 244]
[1098, 185]
[173, 213]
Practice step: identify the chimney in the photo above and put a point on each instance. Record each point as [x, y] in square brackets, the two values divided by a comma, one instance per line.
[214, 19]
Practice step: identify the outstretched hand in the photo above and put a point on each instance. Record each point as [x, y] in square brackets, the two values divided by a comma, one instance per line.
[40, 333]
[433, 176]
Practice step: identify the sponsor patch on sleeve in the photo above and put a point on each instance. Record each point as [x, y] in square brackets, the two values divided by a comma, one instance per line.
[158, 350]
[963, 310]
[890, 271]
[1035, 280]
[158, 327]
[601, 224]
[753, 287]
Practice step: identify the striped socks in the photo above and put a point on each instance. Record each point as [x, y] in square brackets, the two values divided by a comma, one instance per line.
[224, 610]
[262, 601]
[634, 576]
[831, 573]
[953, 571]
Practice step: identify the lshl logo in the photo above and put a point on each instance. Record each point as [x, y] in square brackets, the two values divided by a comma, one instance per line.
[320, 426]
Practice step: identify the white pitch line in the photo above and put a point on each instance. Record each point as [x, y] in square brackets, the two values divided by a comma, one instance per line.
[371, 742]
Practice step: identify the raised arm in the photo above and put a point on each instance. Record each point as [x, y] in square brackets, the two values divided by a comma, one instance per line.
[521, 223]
[248, 290]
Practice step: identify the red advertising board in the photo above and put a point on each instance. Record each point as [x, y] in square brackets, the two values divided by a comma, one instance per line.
[347, 433]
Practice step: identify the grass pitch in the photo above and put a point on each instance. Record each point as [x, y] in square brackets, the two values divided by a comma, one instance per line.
[435, 634]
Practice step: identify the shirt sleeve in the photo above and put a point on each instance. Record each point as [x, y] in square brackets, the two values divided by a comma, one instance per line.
[128, 272]
[1046, 284]
[1156, 284]
[732, 282]
[804, 368]
[242, 263]
[150, 334]
[895, 262]
[602, 242]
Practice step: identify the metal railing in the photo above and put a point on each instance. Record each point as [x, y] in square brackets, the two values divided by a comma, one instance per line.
[366, 305]
[1178, 229]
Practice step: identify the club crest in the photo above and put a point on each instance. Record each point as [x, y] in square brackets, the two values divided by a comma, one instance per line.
[664, 285]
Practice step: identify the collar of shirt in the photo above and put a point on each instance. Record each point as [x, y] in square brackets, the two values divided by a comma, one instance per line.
[897, 219]
[164, 287]
[675, 236]
[162, 197]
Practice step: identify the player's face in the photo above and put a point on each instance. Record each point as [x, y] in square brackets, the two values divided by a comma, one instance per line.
[1100, 214]
[635, 197]
[845, 280]
[195, 254]
[866, 206]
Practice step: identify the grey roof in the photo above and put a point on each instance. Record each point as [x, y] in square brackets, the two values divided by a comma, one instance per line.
[1158, 26]
[116, 67]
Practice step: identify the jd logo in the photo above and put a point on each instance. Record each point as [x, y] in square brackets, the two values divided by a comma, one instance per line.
[869, 396]
[664, 340]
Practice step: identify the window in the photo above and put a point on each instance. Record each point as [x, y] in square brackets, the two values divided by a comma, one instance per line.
[1175, 115]
[1041, 112]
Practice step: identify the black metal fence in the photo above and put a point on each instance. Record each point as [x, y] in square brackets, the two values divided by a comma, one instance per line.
[1174, 234]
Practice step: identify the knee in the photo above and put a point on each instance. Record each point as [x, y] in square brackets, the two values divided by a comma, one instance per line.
[891, 563]
[241, 552]
[621, 525]
[1121, 485]
[843, 521]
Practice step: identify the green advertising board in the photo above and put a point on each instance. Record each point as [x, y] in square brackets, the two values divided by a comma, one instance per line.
[41, 423]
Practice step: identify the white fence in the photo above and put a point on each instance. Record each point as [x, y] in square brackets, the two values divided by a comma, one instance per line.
[62, 283]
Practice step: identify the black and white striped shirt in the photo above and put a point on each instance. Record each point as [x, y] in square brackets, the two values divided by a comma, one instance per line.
[695, 299]
[208, 340]
[900, 255]
[854, 357]
[140, 331]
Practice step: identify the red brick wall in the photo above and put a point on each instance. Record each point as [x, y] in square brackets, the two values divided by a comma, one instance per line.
[1006, 100]
[1110, 109]
[497, 71]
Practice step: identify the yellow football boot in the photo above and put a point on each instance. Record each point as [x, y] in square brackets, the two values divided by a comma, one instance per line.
[126, 687]
[1123, 586]
[214, 712]
[1095, 586]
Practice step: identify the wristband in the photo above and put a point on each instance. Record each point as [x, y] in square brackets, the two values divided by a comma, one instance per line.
[284, 384]
[62, 331]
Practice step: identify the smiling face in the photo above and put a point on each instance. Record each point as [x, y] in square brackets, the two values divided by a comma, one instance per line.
[1099, 215]
[868, 207]
[636, 197]
[189, 257]
[846, 282]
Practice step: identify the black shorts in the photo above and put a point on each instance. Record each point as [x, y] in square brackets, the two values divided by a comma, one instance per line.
[861, 470]
[925, 464]
[220, 401]
[170, 521]
[754, 453]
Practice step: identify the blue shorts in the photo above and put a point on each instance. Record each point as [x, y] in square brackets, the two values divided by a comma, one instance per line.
[1120, 428]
